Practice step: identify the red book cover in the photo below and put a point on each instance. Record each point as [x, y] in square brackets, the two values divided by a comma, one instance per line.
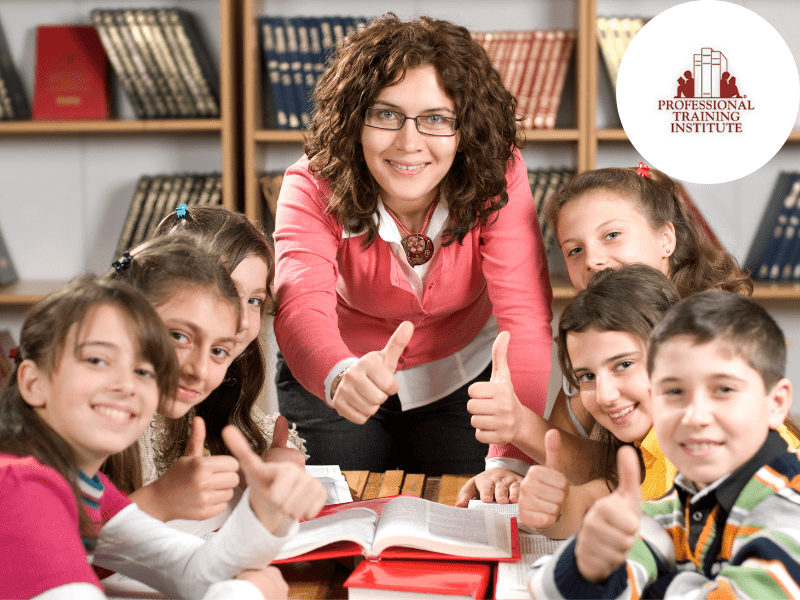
[71, 74]
[340, 549]
[460, 580]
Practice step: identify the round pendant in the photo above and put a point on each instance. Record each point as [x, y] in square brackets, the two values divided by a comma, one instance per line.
[419, 249]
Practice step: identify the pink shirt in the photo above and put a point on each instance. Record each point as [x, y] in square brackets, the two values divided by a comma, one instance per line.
[339, 301]
[40, 543]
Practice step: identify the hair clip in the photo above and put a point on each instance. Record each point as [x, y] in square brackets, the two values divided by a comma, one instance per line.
[121, 265]
[643, 170]
[14, 353]
[181, 211]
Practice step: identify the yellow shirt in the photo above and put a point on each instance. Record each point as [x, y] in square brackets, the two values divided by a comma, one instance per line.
[659, 472]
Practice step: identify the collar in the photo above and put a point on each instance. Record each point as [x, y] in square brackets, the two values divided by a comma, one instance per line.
[727, 488]
[388, 230]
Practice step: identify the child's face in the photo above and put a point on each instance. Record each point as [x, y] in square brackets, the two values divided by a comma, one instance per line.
[250, 277]
[100, 399]
[602, 230]
[611, 368]
[203, 327]
[711, 411]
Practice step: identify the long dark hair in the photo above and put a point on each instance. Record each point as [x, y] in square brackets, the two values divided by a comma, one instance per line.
[697, 264]
[380, 55]
[631, 299]
[43, 341]
[232, 237]
[160, 268]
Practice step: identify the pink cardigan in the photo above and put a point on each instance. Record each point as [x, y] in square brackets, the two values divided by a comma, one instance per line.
[339, 301]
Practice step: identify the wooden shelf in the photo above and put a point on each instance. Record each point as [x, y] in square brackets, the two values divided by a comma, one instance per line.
[170, 126]
[619, 135]
[27, 293]
[530, 135]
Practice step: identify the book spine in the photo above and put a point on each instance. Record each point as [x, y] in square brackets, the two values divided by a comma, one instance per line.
[6, 108]
[156, 75]
[548, 45]
[118, 64]
[317, 50]
[154, 37]
[716, 73]
[533, 65]
[215, 198]
[516, 65]
[17, 105]
[549, 83]
[296, 71]
[500, 61]
[618, 37]
[763, 240]
[201, 52]
[327, 38]
[197, 97]
[705, 83]
[307, 60]
[788, 219]
[140, 68]
[128, 229]
[284, 68]
[607, 49]
[274, 105]
[560, 79]
[158, 185]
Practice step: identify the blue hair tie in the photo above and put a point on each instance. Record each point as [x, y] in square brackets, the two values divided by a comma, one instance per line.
[181, 211]
[121, 265]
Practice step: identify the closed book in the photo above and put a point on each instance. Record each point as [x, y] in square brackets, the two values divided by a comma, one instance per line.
[391, 580]
[285, 73]
[7, 272]
[532, 66]
[403, 527]
[544, 63]
[274, 105]
[140, 73]
[789, 219]
[608, 50]
[71, 78]
[16, 105]
[134, 212]
[547, 118]
[769, 232]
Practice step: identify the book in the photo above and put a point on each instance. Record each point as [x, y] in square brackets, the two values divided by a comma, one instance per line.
[285, 75]
[614, 35]
[532, 68]
[140, 73]
[331, 478]
[299, 91]
[129, 227]
[550, 43]
[511, 579]
[7, 272]
[789, 219]
[769, 231]
[546, 115]
[507, 510]
[14, 104]
[395, 580]
[270, 185]
[403, 527]
[71, 77]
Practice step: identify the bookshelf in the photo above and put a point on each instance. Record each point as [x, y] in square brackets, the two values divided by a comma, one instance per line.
[78, 208]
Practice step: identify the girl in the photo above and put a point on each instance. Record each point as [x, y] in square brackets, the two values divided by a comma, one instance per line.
[93, 364]
[411, 204]
[247, 257]
[605, 218]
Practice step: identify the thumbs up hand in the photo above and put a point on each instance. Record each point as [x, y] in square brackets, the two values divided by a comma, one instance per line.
[609, 529]
[544, 490]
[277, 489]
[278, 450]
[497, 413]
[195, 486]
[370, 381]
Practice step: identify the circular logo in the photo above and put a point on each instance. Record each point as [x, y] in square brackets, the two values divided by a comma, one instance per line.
[708, 91]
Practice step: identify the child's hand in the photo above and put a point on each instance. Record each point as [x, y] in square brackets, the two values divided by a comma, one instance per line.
[269, 581]
[496, 411]
[278, 450]
[196, 486]
[495, 484]
[609, 528]
[544, 490]
[276, 489]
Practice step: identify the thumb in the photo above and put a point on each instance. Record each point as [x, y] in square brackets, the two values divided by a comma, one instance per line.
[194, 447]
[240, 448]
[630, 475]
[552, 449]
[500, 371]
[280, 434]
[397, 343]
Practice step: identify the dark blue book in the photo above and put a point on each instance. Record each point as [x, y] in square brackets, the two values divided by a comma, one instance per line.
[284, 69]
[299, 88]
[769, 234]
[275, 116]
[791, 216]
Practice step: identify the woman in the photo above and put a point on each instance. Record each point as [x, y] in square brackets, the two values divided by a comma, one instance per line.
[411, 204]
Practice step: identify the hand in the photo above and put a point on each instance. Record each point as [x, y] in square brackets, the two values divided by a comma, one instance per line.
[278, 450]
[609, 528]
[276, 489]
[195, 487]
[370, 381]
[496, 411]
[269, 582]
[493, 484]
[544, 489]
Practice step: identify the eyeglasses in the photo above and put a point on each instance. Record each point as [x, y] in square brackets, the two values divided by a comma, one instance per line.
[384, 118]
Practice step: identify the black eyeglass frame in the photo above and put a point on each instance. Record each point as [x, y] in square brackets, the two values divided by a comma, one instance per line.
[416, 122]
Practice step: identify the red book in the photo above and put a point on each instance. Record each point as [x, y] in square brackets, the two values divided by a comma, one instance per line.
[71, 74]
[387, 580]
[404, 527]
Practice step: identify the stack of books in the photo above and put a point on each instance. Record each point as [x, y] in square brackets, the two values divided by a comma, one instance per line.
[162, 62]
[543, 183]
[157, 196]
[14, 102]
[533, 66]
[295, 52]
[614, 35]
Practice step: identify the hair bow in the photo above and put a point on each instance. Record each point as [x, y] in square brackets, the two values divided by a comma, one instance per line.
[643, 170]
[121, 265]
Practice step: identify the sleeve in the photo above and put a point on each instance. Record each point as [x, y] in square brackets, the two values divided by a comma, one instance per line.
[306, 271]
[40, 543]
[233, 589]
[180, 564]
[515, 267]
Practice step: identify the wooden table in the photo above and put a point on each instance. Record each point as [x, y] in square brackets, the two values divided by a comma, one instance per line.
[325, 579]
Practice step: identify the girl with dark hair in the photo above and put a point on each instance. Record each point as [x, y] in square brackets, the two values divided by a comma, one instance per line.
[94, 363]
[411, 205]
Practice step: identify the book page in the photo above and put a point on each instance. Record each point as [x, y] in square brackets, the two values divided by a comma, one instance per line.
[331, 478]
[507, 510]
[354, 525]
[419, 523]
[512, 578]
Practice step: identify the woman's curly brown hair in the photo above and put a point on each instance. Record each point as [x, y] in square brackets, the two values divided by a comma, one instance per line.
[697, 264]
[378, 56]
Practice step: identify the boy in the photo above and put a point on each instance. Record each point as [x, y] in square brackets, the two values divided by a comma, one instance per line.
[730, 526]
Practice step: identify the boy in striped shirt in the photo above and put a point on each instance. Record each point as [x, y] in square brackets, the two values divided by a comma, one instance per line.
[730, 526]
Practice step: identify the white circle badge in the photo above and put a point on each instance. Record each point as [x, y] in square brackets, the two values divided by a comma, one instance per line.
[708, 91]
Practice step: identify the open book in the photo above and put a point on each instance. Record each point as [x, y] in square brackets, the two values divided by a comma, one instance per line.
[401, 527]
